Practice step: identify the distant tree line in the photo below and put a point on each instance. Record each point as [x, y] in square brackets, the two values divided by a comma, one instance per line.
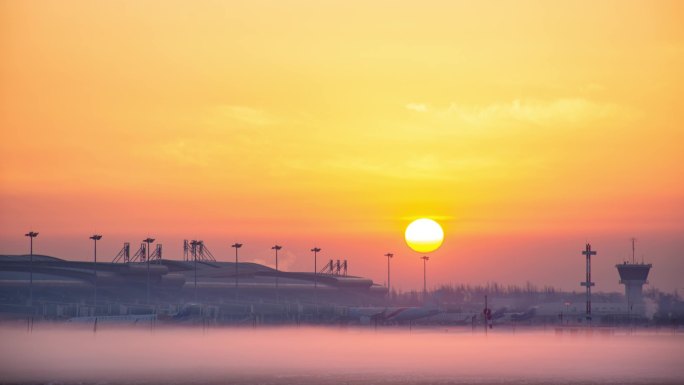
[520, 297]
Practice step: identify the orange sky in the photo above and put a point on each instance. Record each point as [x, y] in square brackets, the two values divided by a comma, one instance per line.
[525, 128]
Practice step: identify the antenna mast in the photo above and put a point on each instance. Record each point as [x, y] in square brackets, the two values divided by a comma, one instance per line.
[588, 252]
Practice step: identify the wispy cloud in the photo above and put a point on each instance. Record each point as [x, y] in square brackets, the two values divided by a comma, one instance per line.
[184, 152]
[593, 87]
[249, 115]
[418, 107]
[532, 111]
[421, 167]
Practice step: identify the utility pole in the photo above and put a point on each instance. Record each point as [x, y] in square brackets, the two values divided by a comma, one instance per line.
[95, 238]
[193, 252]
[315, 250]
[487, 314]
[31, 235]
[425, 258]
[149, 241]
[389, 286]
[236, 246]
[276, 248]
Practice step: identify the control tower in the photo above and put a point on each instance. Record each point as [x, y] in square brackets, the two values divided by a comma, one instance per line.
[634, 276]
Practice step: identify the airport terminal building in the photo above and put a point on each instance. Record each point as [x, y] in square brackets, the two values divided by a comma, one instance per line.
[58, 289]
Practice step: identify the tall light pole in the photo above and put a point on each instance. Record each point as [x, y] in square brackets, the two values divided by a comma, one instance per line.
[149, 241]
[31, 235]
[193, 246]
[389, 286]
[425, 258]
[236, 246]
[95, 238]
[315, 250]
[276, 248]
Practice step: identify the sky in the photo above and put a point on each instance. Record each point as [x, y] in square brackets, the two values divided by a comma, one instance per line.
[526, 128]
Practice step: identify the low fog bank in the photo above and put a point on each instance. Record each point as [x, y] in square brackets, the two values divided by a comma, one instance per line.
[329, 355]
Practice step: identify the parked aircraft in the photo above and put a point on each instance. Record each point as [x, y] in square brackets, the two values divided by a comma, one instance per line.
[116, 319]
[523, 316]
[389, 315]
[189, 313]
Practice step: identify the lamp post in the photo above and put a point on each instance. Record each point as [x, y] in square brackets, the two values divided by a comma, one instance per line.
[389, 287]
[276, 248]
[425, 258]
[193, 250]
[315, 250]
[236, 246]
[95, 238]
[149, 241]
[31, 235]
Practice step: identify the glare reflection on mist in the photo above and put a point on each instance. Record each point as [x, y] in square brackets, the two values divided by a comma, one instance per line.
[68, 354]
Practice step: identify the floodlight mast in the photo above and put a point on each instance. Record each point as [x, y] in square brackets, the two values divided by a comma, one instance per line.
[193, 251]
[31, 235]
[149, 241]
[276, 248]
[236, 246]
[389, 287]
[95, 238]
[315, 250]
[425, 258]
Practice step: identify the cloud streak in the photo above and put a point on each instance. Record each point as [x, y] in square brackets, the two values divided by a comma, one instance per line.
[418, 107]
[249, 115]
[538, 112]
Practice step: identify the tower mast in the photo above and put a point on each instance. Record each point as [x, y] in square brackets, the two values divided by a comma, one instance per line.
[588, 252]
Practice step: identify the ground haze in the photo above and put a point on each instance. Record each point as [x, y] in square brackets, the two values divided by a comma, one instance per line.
[334, 355]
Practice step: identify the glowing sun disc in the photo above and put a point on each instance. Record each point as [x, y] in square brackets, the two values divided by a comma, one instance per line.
[424, 235]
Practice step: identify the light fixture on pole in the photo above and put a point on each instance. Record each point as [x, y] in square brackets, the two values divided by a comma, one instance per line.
[149, 241]
[276, 248]
[389, 286]
[315, 250]
[425, 258]
[95, 238]
[31, 235]
[193, 251]
[236, 246]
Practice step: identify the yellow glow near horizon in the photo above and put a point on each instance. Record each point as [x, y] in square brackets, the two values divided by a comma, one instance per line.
[424, 235]
[336, 121]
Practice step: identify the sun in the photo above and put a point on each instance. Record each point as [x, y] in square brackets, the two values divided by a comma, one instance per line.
[424, 235]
